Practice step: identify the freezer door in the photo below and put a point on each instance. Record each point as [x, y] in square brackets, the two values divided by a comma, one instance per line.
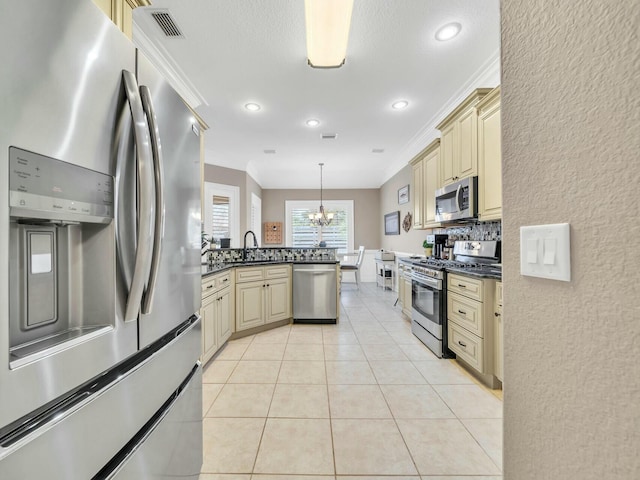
[176, 294]
[62, 97]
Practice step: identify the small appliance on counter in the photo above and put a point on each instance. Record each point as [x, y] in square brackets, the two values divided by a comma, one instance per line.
[384, 255]
[438, 241]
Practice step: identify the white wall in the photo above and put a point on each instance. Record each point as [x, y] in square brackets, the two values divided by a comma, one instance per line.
[571, 153]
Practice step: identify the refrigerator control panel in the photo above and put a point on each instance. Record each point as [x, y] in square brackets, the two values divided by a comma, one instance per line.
[43, 187]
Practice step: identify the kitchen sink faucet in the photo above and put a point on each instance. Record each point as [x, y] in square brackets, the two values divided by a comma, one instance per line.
[244, 248]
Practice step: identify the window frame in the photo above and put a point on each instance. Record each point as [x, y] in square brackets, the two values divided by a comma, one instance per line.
[313, 205]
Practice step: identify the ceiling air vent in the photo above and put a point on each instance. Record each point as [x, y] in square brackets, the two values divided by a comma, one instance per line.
[377, 150]
[269, 151]
[329, 136]
[167, 24]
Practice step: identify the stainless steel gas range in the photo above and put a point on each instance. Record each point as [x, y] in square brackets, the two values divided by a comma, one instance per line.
[429, 289]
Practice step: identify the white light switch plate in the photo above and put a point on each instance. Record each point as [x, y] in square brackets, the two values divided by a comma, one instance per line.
[545, 251]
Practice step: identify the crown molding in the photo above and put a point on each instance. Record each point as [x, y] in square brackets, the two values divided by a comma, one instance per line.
[162, 60]
[488, 75]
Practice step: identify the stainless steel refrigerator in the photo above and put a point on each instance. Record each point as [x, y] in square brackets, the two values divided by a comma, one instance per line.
[99, 254]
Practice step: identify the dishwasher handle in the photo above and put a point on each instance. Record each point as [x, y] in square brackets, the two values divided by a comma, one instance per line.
[328, 270]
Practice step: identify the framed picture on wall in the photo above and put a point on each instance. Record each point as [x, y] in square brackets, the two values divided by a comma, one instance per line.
[392, 223]
[403, 195]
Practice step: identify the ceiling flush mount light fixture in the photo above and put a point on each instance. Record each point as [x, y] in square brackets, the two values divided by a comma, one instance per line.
[322, 218]
[252, 107]
[327, 23]
[448, 31]
[312, 122]
[400, 104]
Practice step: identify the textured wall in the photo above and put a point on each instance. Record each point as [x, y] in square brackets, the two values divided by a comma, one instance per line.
[406, 242]
[366, 209]
[571, 147]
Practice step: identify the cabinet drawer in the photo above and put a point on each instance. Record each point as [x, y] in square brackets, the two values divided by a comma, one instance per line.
[249, 274]
[466, 345]
[223, 280]
[499, 293]
[469, 287]
[208, 286]
[277, 271]
[466, 312]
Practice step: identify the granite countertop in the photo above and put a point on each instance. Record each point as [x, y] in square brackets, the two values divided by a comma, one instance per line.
[211, 269]
[474, 273]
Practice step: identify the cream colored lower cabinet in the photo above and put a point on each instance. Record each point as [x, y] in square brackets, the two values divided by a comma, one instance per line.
[498, 333]
[471, 326]
[278, 299]
[406, 303]
[216, 312]
[263, 295]
[249, 305]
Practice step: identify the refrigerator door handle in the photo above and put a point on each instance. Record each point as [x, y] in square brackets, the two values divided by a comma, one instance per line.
[156, 149]
[145, 198]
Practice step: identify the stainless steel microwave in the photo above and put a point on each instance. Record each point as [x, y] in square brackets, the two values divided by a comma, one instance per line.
[457, 201]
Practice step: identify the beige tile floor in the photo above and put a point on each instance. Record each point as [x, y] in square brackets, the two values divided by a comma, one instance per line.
[361, 400]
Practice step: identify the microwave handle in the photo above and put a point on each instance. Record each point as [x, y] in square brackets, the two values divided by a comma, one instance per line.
[146, 204]
[458, 199]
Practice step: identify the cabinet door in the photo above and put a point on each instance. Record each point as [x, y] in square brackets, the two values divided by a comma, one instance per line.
[417, 195]
[209, 333]
[249, 305]
[406, 307]
[224, 316]
[490, 164]
[448, 167]
[467, 144]
[278, 302]
[430, 183]
[401, 286]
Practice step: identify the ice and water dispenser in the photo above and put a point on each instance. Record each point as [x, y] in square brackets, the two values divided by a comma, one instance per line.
[62, 266]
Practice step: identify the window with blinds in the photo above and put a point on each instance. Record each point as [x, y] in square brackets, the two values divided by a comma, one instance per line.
[220, 217]
[303, 235]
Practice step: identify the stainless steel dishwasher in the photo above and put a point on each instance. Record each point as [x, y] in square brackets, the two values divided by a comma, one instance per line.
[315, 293]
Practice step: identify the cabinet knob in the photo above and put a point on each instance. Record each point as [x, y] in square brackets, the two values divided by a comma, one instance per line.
[496, 314]
[463, 313]
[462, 344]
[462, 286]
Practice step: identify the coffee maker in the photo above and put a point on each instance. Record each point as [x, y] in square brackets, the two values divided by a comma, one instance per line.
[439, 241]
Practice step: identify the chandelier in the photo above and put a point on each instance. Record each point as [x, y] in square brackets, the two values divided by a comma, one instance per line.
[322, 218]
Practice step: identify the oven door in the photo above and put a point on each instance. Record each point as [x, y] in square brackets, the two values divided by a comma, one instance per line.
[426, 303]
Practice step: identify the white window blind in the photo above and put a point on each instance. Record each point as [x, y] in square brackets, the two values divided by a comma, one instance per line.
[220, 217]
[301, 234]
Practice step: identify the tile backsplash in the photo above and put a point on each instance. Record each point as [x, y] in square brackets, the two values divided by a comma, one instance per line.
[234, 255]
[476, 231]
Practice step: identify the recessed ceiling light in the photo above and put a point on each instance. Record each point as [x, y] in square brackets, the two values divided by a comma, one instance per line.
[312, 122]
[449, 31]
[252, 107]
[400, 104]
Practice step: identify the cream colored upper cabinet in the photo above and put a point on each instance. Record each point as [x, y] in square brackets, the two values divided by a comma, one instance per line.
[417, 194]
[489, 157]
[447, 154]
[425, 180]
[430, 183]
[459, 156]
[121, 12]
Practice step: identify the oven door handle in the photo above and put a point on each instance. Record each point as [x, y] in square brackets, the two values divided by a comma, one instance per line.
[427, 282]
